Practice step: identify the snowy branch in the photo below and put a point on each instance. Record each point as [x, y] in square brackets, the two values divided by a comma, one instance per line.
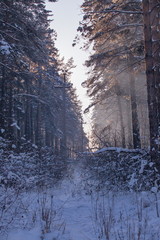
[5, 66]
[9, 35]
[32, 96]
[130, 25]
[10, 25]
[117, 11]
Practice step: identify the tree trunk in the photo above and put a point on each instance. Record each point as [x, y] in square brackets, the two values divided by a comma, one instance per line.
[27, 113]
[64, 138]
[38, 126]
[119, 103]
[152, 57]
[134, 109]
[10, 132]
[134, 112]
[2, 102]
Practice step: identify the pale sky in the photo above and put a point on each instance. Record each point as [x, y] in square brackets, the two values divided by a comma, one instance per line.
[66, 16]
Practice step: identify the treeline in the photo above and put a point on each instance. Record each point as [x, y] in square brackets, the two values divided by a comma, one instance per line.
[124, 36]
[32, 83]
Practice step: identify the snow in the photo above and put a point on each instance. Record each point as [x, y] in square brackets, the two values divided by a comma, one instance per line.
[34, 146]
[25, 235]
[15, 125]
[119, 149]
[132, 181]
[2, 130]
[4, 47]
[143, 164]
[154, 189]
[72, 214]
[13, 146]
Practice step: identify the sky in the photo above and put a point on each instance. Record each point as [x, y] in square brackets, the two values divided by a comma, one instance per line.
[66, 17]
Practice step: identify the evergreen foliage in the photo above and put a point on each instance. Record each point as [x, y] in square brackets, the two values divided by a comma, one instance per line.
[30, 103]
[120, 94]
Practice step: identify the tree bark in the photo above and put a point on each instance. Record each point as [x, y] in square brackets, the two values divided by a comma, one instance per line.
[2, 101]
[152, 52]
[119, 103]
[134, 108]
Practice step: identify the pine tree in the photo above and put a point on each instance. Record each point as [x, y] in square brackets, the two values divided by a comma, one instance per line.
[151, 10]
[111, 27]
[31, 105]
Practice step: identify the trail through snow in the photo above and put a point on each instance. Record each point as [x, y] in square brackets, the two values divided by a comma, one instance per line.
[114, 216]
[77, 205]
[69, 197]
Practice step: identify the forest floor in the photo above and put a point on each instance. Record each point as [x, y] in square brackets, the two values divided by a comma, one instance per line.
[69, 212]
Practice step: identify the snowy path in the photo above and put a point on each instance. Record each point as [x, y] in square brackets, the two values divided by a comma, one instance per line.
[121, 215]
[75, 211]
[77, 215]
[77, 206]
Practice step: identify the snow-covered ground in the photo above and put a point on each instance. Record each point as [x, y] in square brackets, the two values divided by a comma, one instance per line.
[66, 212]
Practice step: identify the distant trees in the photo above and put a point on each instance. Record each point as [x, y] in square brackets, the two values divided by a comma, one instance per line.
[116, 80]
[30, 104]
[116, 32]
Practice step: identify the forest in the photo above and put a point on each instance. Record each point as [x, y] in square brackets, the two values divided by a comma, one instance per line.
[123, 76]
[55, 182]
[38, 104]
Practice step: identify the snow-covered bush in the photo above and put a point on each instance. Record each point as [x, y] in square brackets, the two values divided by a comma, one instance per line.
[22, 169]
[25, 176]
[120, 169]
